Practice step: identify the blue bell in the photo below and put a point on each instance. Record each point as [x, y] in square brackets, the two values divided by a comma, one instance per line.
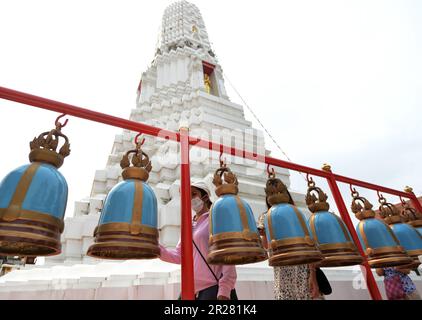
[33, 200]
[127, 228]
[408, 237]
[381, 246]
[290, 242]
[234, 238]
[330, 232]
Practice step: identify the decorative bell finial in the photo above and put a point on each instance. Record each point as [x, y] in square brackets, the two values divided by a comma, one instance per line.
[234, 236]
[43, 148]
[329, 231]
[408, 237]
[128, 224]
[389, 212]
[227, 186]
[316, 199]
[382, 248]
[412, 216]
[408, 189]
[290, 240]
[33, 199]
[326, 167]
[276, 191]
[139, 167]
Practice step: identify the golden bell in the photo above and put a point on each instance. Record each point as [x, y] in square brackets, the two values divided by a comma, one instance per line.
[234, 237]
[127, 229]
[290, 241]
[329, 231]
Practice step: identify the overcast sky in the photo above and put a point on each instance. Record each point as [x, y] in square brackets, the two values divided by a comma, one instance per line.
[333, 81]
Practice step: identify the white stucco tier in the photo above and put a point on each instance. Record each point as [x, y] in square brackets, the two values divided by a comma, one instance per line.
[150, 280]
[156, 280]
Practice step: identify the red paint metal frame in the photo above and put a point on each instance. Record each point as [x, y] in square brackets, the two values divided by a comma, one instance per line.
[188, 287]
[366, 269]
[187, 141]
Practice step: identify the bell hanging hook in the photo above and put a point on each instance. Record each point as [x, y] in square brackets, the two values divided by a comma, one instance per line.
[403, 202]
[355, 193]
[271, 173]
[311, 182]
[381, 198]
[137, 140]
[61, 125]
[222, 161]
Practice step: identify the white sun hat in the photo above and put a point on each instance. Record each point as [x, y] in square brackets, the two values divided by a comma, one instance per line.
[201, 184]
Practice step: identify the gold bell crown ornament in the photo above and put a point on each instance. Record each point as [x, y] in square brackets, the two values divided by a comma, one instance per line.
[127, 229]
[290, 242]
[33, 199]
[411, 216]
[234, 236]
[381, 246]
[408, 237]
[329, 231]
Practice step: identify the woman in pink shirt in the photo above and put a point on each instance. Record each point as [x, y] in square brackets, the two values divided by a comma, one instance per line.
[211, 282]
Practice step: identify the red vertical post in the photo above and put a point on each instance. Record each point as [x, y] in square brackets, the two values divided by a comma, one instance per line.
[366, 270]
[188, 286]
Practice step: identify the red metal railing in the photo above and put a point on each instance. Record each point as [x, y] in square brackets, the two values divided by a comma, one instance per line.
[188, 288]
[187, 141]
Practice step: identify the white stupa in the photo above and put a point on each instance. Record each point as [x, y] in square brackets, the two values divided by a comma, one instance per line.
[183, 85]
[173, 92]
